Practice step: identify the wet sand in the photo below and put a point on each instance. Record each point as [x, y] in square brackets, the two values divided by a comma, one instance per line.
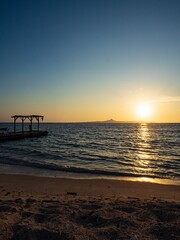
[34, 208]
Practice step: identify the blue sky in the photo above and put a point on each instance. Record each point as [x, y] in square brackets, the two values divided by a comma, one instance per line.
[89, 60]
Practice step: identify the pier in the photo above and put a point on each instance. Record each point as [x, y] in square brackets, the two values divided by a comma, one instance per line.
[5, 135]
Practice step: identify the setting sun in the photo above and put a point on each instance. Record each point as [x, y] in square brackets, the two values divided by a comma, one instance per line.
[144, 111]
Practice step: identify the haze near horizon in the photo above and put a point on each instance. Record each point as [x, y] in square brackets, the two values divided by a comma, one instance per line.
[74, 61]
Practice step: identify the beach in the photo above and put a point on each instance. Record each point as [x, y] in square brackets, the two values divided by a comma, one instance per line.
[61, 208]
[90, 120]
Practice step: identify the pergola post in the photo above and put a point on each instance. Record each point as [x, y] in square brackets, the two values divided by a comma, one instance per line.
[14, 125]
[38, 123]
[23, 118]
[15, 118]
[30, 126]
[37, 118]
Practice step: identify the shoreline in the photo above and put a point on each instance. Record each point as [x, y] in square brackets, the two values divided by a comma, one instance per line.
[39, 172]
[88, 187]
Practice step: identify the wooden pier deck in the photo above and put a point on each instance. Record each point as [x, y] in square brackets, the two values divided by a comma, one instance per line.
[20, 135]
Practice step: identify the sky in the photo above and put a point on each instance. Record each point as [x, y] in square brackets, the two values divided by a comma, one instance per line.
[89, 60]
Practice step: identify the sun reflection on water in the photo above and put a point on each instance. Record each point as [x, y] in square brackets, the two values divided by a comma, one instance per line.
[143, 156]
[144, 131]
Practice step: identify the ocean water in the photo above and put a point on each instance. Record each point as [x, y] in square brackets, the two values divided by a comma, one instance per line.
[119, 150]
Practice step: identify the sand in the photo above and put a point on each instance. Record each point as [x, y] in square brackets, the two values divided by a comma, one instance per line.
[33, 208]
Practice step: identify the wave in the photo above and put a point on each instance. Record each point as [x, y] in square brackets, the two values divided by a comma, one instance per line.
[80, 170]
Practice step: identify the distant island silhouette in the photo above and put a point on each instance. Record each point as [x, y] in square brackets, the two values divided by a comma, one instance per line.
[110, 121]
[114, 121]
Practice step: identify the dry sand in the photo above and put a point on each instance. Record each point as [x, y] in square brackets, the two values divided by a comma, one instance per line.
[34, 208]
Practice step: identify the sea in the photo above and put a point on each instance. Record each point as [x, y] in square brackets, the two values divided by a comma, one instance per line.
[130, 151]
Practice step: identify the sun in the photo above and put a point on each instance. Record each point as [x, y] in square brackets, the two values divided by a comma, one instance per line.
[144, 111]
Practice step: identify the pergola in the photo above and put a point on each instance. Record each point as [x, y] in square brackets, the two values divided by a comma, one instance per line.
[24, 117]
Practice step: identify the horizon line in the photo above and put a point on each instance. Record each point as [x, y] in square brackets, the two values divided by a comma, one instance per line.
[96, 121]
